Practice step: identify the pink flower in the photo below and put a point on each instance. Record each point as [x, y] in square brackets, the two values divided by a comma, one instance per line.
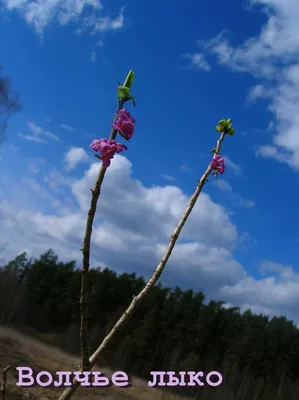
[95, 144]
[217, 163]
[107, 148]
[124, 124]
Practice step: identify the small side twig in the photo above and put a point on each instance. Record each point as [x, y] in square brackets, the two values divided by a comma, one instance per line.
[68, 392]
[3, 384]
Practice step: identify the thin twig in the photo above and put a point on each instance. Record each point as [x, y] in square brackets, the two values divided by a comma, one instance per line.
[3, 384]
[95, 193]
[68, 392]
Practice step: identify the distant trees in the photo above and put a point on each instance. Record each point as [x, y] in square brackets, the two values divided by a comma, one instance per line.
[9, 103]
[172, 330]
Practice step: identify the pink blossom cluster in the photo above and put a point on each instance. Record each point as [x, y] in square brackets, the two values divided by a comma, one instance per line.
[217, 163]
[107, 148]
[125, 125]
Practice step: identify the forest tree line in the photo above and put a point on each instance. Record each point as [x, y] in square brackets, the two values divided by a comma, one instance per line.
[172, 330]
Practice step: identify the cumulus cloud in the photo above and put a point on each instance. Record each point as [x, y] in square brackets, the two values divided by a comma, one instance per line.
[132, 228]
[40, 13]
[74, 156]
[272, 56]
[272, 295]
[134, 206]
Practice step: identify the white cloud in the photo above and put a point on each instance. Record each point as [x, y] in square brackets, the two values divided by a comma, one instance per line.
[56, 181]
[33, 168]
[246, 241]
[66, 127]
[35, 187]
[192, 260]
[137, 218]
[74, 156]
[236, 198]
[93, 57]
[185, 168]
[37, 131]
[269, 267]
[257, 92]
[106, 23]
[34, 165]
[40, 13]
[100, 43]
[197, 61]
[246, 203]
[132, 227]
[31, 138]
[222, 185]
[231, 164]
[134, 207]
[272, 56]
[276, 294]
[269, 151]
[168, 177]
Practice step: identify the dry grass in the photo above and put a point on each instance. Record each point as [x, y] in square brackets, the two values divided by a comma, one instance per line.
[17, 349]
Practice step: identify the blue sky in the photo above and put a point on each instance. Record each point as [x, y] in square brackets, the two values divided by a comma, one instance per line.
[194, 64]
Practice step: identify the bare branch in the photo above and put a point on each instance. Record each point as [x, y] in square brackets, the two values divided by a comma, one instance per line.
[68, 392]
[9, 104]
[95, 193]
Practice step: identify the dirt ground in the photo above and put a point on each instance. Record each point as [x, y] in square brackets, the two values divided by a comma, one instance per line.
[17, 349]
